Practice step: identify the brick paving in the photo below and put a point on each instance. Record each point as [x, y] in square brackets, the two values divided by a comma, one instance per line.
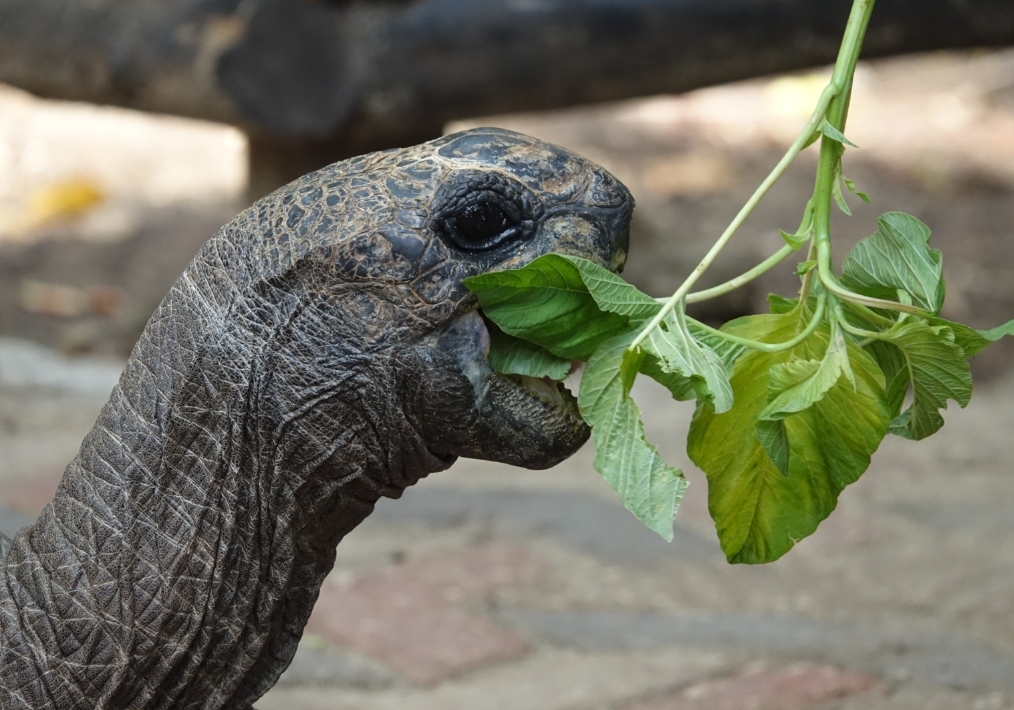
[498, 589]
[794, 688]
[415, 617]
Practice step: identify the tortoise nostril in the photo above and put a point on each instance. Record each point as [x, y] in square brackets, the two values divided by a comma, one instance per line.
[602, 236]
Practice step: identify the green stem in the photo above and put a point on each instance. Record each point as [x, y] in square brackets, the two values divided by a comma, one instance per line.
[834, 98]
[830, 159]
[731, 285]
[818, 317]
[765, 266]
[848, 327]
[858, 332]
[800, 143]
[832, 285]
[804, 291]
[869, 314]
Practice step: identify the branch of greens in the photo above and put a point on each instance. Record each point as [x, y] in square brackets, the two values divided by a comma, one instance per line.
[791, 405]
[563, 308]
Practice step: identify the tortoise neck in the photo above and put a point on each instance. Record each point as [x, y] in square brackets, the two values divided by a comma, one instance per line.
[190, 536]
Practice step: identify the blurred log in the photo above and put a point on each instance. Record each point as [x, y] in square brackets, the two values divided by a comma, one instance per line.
[313, 81]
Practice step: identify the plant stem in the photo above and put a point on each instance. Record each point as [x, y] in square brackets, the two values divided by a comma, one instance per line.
[766, 265]
[833, 107]
[800, 143]
[869, 314]
[858, 332]
[731, 285]
[804, 291]
[830, 158]
[831, 283]
[818, 317]
[848, 327]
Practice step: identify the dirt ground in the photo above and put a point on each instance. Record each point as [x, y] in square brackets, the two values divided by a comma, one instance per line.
[536, 590]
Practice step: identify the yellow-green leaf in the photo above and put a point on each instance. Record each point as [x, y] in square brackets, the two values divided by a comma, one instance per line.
[761, 511]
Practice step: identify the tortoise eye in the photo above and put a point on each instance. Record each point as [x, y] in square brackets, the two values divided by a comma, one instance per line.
[480, 226]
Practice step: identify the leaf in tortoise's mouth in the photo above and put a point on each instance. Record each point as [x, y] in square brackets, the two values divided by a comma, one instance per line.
[540, 374]
[545, 389]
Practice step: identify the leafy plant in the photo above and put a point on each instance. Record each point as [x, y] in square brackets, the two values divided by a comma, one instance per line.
[791, 405]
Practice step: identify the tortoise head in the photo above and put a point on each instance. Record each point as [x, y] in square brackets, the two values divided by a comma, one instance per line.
[380, 246]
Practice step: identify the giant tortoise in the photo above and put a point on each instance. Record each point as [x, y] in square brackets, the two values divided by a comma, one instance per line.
[320, 352]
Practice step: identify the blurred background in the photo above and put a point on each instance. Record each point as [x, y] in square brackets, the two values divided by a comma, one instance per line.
[131, 131]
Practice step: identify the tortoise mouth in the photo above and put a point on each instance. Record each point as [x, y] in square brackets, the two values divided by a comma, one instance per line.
[549, 391]
[524, 421]
[546, 390]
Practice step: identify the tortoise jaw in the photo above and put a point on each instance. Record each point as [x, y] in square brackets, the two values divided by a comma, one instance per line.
[520, 421]
[545, 389]
[521, 426]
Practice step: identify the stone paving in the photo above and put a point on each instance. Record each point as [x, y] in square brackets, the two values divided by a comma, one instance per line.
[489, 587]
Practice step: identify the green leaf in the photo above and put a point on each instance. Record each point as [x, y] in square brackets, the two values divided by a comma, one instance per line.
[772, 436]
[839, 346]
[648, 488]
[797, 385]
[780, 304]
[936, 368]
[798, 240]
[971, 341]
[513, 356]
[805, 267]
[834, 134]
[897, 257]
[629, 366]
[679, 353]
[685, 388]
[611, 293]
[761, 512]
[548, 302]
[726, 350]
[681, 388]
[569, 306]
[805, 233]
[895, 368]
[852, 188]
[836, 192]
[998, 332]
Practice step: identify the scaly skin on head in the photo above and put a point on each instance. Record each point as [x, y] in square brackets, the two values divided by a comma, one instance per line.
[319, 352]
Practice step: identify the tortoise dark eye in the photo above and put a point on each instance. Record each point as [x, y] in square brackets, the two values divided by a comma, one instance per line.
[480, 226]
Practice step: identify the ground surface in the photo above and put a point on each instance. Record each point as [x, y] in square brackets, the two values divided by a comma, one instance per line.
[489, 587]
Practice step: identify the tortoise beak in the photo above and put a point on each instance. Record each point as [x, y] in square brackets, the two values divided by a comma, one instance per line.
[517, 423]
[484, 415]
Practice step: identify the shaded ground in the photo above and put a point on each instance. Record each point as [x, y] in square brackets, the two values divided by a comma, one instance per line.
[491, 587]
[497, 588]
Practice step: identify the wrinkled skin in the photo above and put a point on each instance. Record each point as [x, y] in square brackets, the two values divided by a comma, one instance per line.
[319, 352]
